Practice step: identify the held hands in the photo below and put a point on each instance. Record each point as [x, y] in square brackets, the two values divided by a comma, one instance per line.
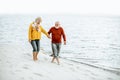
[49, 36]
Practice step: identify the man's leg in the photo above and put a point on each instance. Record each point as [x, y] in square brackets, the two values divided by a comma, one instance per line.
[57, 59]
[58, 51]
[58, 48]
[54, 49]
[53, 59]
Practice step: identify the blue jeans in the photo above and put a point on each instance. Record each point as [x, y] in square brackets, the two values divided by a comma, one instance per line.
[56, 49]
[36, 45]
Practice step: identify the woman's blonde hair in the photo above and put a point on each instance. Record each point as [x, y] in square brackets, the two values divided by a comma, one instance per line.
[38, 18]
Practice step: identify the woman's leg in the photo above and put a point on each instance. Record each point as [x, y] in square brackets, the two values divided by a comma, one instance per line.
[34, 49]
[38, 48]
[34, 53]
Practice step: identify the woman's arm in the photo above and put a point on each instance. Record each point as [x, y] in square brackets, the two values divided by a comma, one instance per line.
[29, 33]
[45, 32]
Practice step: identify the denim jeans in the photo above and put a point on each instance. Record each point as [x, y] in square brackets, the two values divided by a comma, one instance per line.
[56, 49]
[36, 45]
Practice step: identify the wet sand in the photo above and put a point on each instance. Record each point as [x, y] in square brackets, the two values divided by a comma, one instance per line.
[16, 64]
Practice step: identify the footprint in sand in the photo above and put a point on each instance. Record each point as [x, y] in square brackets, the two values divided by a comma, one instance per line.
[13, 73]
[93, 78]
[28, 54]
[7, 62]
[91, 73]
[22, 78]
[38, 74]
[72, 69]
[77, 67]
[31, 78]
[17, 70]
[94, 74]
[110, 79]
[25, 67]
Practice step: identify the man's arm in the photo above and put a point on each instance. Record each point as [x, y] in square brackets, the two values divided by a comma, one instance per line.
[64, 36]
[50, 31]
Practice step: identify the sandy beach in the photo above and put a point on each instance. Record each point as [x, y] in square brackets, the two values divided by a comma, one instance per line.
[16, 64]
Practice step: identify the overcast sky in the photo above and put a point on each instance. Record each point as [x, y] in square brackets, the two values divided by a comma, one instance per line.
[85, 7]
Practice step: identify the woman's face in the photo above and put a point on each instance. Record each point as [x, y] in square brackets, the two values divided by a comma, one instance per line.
[38, 21]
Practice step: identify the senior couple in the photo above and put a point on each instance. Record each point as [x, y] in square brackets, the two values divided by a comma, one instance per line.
[56, 32]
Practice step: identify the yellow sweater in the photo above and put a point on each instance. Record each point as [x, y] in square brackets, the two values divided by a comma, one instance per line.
[34, 34]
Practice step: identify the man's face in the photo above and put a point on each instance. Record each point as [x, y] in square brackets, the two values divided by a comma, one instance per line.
[57, 24]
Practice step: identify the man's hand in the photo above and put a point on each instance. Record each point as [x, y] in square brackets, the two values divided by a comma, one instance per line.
[64, 42]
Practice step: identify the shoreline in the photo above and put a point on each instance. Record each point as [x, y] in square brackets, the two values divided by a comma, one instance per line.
[95, 66]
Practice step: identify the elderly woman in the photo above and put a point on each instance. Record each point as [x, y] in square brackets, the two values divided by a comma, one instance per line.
[34, 36]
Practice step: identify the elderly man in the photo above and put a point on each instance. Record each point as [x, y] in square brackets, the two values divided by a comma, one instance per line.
[57, 33]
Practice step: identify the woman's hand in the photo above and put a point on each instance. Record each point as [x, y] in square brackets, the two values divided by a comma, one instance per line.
[29, 40]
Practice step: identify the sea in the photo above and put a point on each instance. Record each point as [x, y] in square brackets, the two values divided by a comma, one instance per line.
[91, 40]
